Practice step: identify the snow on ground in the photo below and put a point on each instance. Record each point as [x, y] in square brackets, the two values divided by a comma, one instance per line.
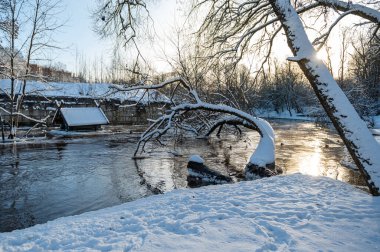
[82, 90]
[295, 212]
[284, 115]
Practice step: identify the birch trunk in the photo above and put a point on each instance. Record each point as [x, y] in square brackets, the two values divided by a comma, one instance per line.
[363, 148]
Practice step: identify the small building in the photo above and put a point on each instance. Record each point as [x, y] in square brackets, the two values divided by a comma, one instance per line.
[80, 118]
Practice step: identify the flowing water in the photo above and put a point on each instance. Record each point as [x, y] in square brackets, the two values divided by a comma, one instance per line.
[60, 177]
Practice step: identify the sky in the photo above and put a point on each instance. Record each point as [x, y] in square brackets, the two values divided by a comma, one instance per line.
[78, 36]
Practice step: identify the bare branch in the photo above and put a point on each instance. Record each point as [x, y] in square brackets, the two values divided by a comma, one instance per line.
[230, 121]
[43, 121]
[321, 40]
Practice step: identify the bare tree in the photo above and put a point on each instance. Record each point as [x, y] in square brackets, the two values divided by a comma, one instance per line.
[235, 28]
[37, 20]
[359, 141]
[343, 56]
[128, 21]
[10, 16]
[365, 63]
[232, 27]
[362, 86]
[43, 23]
[329, 61]
[190, 113]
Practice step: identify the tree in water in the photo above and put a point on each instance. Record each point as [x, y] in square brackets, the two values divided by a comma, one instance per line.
[233, 29]
[188, 112]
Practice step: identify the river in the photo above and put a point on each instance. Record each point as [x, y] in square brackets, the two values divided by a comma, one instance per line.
[60, 177]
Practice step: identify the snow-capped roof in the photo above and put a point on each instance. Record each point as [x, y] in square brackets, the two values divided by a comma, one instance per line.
[83, 90]
[196, 159]
[84, 116]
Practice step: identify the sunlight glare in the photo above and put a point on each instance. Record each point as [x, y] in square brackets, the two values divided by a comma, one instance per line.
[310, 165]
[322, 55]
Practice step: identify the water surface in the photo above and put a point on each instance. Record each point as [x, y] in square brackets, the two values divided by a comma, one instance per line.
[60, 177]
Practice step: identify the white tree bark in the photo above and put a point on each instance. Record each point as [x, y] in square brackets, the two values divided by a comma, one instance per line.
[359, 141]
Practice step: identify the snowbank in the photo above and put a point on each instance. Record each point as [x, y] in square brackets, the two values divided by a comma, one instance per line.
[285, 115]
[83, 90]
[296, 212]
[264, 153]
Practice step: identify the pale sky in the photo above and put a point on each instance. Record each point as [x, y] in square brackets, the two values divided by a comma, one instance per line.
[78, 35]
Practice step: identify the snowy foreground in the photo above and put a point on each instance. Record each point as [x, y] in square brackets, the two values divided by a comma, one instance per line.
[294, 212]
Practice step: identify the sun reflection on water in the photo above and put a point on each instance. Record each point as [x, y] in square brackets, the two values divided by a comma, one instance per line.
[310, 163]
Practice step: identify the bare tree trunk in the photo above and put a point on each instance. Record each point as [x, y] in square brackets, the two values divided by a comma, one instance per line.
[343, 56]
[12, 67]
[2, 128]
[28, 25]
[28, 58]
[329, 62]
[359, 141]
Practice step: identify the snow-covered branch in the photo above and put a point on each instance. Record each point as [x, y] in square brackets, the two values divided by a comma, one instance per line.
[178, 117]
[229, 120]
[362, 146]
[356, 9]
[321, 40]
[42, 121]
[163, 84]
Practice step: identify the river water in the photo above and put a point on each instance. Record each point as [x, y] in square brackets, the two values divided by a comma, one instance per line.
[60, 177]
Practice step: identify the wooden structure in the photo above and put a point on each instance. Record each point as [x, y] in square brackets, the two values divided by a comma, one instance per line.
[80, 118]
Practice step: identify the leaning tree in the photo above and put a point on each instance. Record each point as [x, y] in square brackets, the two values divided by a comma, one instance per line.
[188, 112]
[234, 29]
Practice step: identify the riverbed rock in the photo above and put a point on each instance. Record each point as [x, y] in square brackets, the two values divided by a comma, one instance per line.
[199, 174]
[254, 171]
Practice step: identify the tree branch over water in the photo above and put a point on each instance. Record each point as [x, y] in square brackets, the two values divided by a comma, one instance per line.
[232, 30]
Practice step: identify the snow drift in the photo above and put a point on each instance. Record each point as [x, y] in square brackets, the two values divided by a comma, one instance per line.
[287, 213]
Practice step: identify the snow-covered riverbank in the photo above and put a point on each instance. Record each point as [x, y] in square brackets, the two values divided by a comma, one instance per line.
[295, 212]
[81, 90]
[284, 115]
